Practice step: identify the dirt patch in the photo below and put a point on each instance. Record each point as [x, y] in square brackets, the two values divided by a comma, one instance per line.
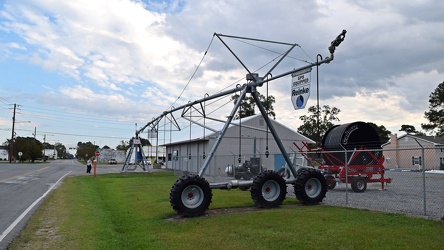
[222, 211]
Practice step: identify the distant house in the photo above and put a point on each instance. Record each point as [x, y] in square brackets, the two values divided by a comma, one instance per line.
[4, 156]
[108, 154]
[151, 152]
[50, 153]
[243, 143]
[407, 152]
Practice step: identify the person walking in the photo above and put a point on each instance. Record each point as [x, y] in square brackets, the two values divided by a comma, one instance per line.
[88, 166]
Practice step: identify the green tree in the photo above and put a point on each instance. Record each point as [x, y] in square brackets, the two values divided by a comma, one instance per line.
[61, 150]
[310, 127]
[86, 150]
[31, 148]
[47, 145]
[384, 134]
[435, 115]
[408, 129]
[124, 145]
[248, 105]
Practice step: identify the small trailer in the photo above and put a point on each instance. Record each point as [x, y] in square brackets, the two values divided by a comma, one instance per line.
[351, 153]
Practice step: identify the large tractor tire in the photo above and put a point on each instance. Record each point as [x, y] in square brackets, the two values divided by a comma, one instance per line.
[191, 195]
[359, 184]
[310, 186]
[268, 189]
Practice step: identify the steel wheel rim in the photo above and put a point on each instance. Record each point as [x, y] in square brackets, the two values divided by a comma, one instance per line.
[313, 188]
[360, 184]
[271, 190]
[192, 196]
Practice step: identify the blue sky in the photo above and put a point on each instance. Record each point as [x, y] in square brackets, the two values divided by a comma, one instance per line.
[91, 70]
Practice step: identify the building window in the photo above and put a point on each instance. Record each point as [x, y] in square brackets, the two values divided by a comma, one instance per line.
[441, 162]
[169, 157]
[442, 150]
[175, 155]
[416, 160]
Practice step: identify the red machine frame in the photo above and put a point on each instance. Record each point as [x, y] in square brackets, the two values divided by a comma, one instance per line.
[358, 175]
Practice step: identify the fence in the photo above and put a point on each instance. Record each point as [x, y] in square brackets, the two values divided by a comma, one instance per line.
[409, 180]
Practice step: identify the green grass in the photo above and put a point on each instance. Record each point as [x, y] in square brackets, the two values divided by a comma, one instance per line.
[132, 211]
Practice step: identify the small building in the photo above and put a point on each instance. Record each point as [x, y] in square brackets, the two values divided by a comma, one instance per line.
[247, 142]
[4, 154]
[108, 154]
[414, 152]
[50, 153]
[155, 152]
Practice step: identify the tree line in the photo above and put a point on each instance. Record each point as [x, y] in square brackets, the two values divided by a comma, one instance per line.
[30, 149]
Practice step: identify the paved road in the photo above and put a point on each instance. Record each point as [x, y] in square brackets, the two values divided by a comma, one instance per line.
[22, 185]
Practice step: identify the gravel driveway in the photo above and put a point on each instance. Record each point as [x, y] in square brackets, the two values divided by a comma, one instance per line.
[404, 195]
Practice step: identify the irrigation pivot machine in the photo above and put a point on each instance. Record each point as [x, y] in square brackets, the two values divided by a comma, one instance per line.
[191, 194]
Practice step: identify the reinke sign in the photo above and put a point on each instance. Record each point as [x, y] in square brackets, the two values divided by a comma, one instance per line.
[300, 88]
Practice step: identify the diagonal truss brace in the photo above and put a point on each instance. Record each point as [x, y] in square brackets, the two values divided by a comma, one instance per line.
[253, 81]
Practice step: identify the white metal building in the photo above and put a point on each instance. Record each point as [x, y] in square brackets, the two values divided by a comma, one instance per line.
[50, 153]
[244, 142]
[4, 154]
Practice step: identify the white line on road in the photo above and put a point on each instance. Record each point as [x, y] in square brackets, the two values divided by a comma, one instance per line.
[12, 226]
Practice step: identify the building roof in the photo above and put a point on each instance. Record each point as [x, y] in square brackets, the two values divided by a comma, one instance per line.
[436, 140]
[433, 139]
[219, 127]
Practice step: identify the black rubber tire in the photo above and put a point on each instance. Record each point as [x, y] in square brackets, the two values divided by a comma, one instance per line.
[359, 184]
[310, 186]
[331, 182]
[268, 189]
[300, 170]
[191, 195]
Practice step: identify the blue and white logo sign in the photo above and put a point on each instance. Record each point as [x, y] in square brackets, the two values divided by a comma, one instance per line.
[300, 88]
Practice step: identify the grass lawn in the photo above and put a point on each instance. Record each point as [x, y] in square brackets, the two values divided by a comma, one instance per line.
[132, 211]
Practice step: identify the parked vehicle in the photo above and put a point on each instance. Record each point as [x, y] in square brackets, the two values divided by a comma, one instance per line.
[112, 161]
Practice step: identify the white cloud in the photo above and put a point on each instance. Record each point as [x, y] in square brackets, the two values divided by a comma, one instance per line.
[129, 57]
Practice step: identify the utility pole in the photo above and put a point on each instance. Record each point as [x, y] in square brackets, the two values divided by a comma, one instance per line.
[43, 153]
[11, 151]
